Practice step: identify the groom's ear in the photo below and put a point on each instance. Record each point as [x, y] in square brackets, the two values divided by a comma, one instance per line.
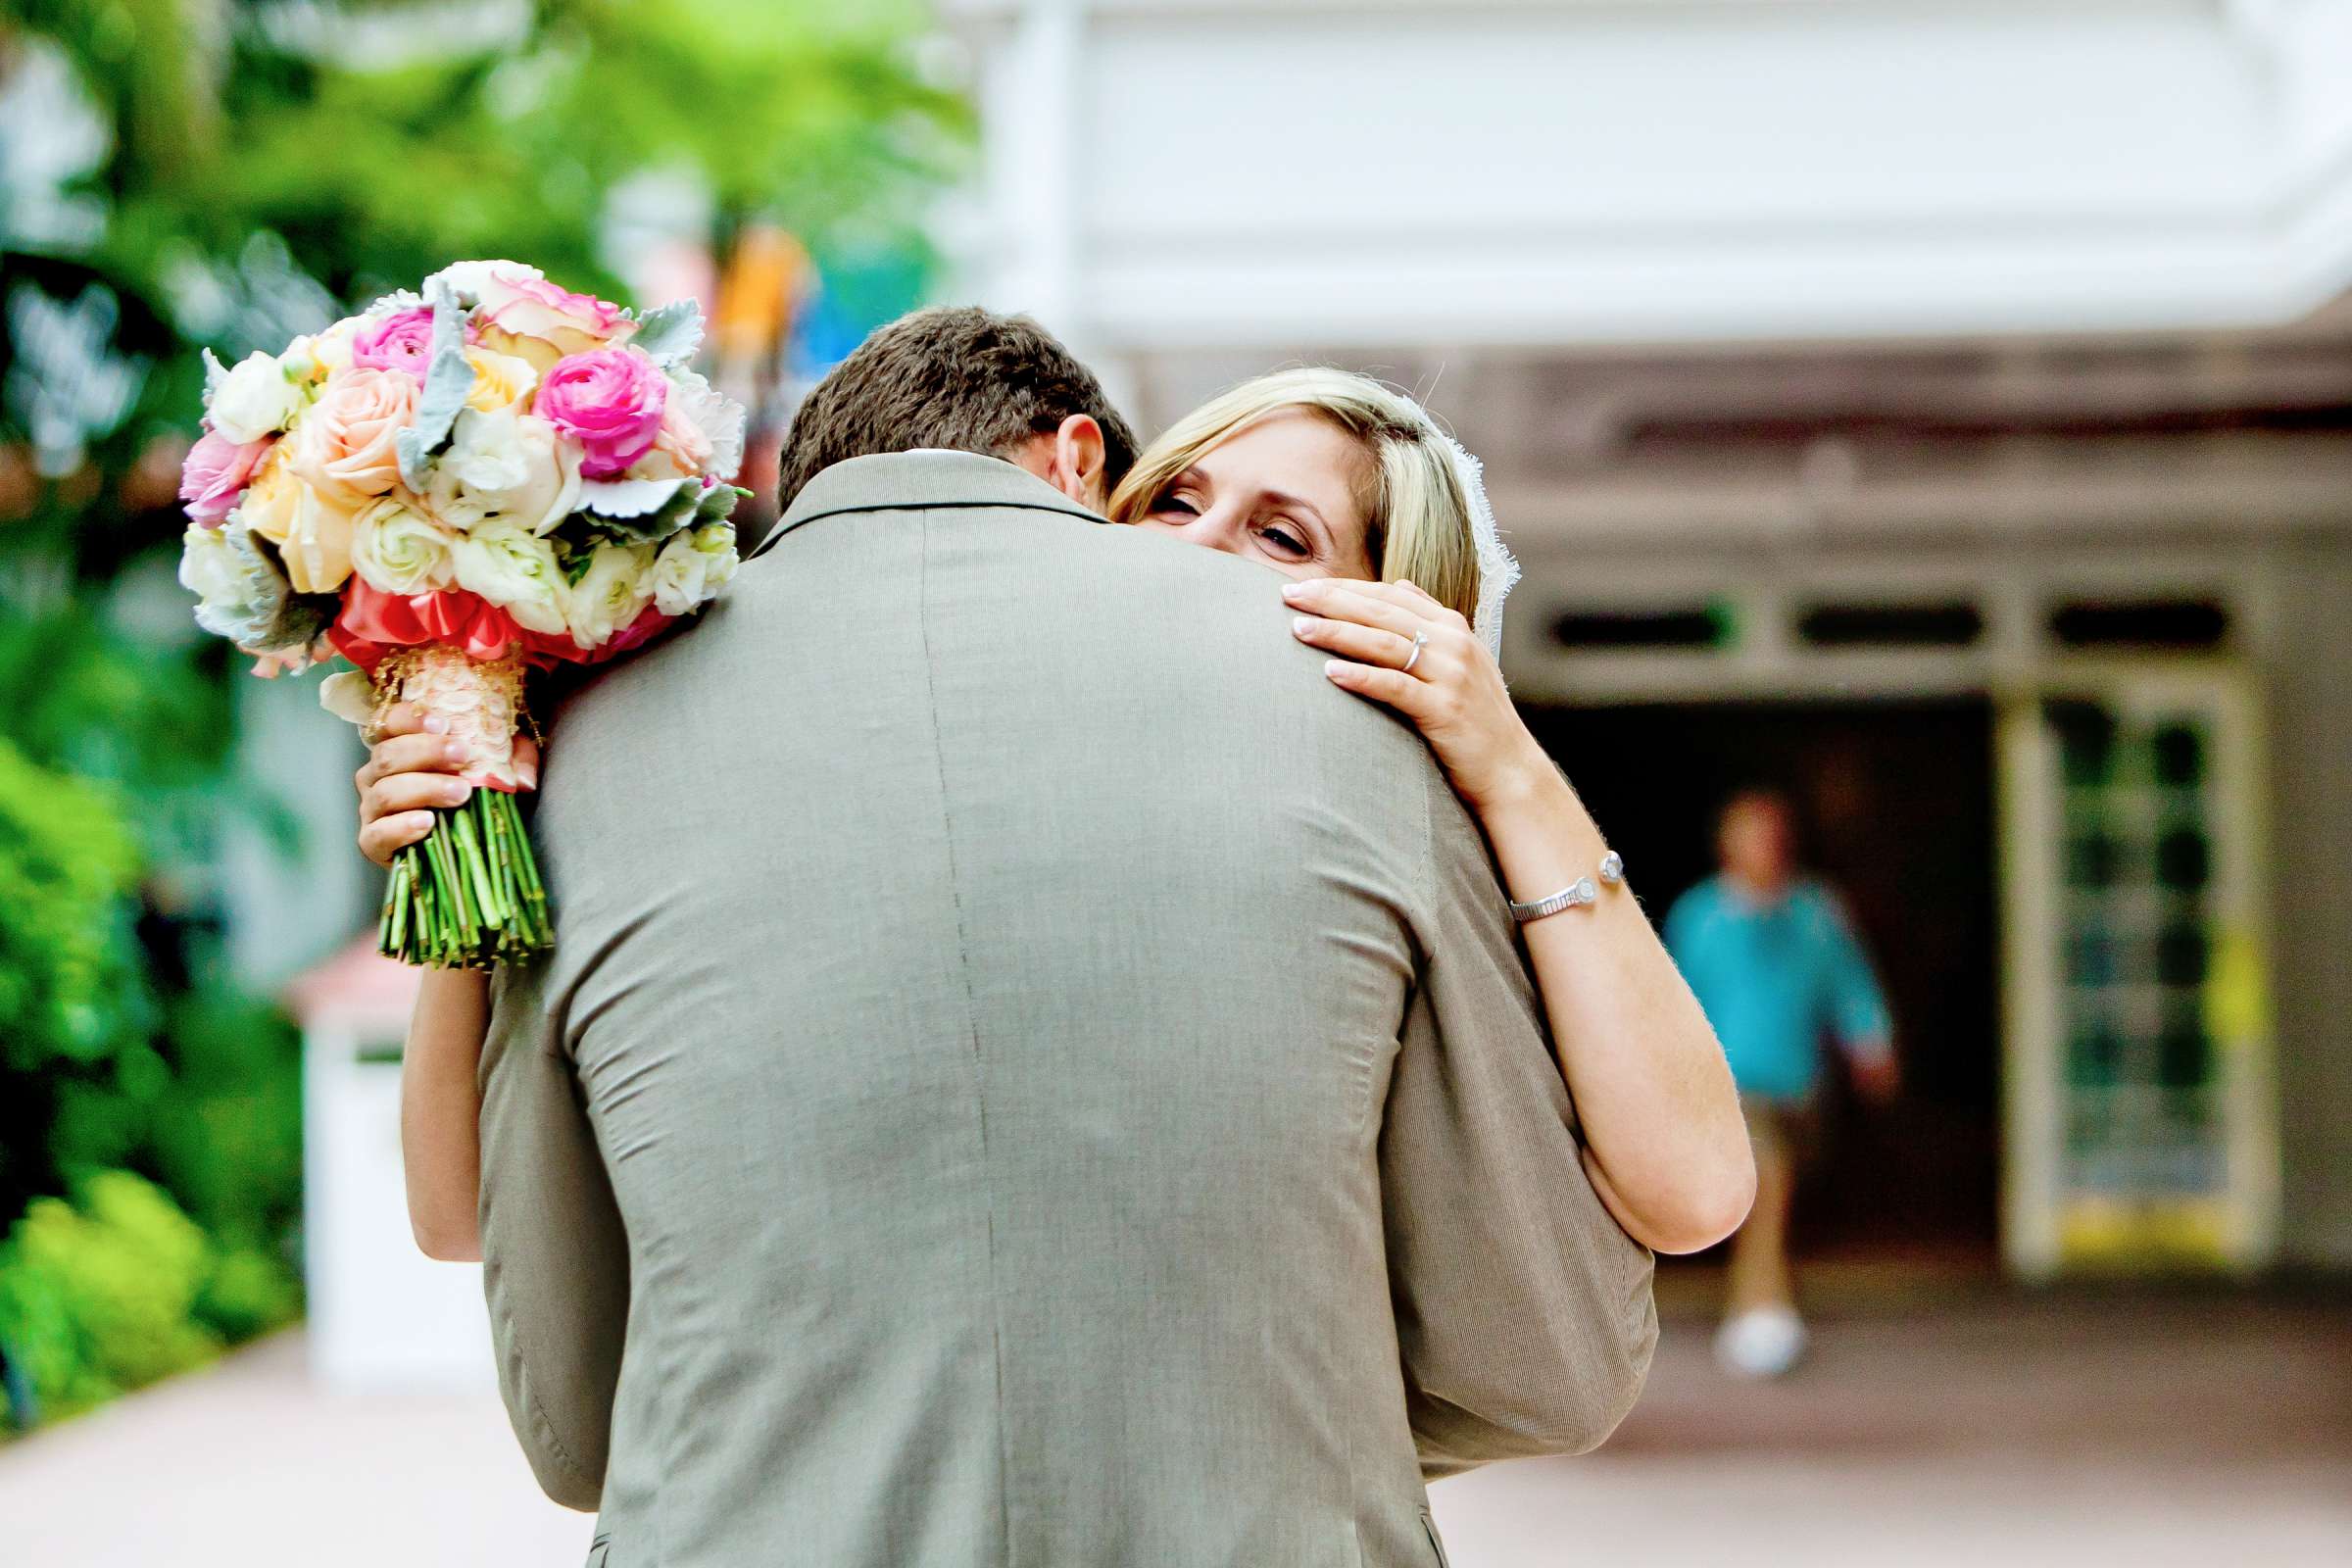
[1078, 463]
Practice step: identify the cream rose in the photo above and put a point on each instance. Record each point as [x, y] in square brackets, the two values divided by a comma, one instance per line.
[692, 567]
[514, 569]
[312, 531]
[399, 550]
[344, 448]
[504, 467]
[256, 399]
[614, 592]
[499, 381]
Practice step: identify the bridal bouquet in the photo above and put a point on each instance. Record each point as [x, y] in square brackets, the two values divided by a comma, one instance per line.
[448, 489]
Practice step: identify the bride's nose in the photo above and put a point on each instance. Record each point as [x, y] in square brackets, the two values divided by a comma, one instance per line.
[1218, 528]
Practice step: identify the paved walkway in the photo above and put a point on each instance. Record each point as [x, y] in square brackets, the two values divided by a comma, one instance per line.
[2023, 1432]
[1999, 1431]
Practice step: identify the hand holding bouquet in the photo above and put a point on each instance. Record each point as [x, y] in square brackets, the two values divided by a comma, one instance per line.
[448, 489]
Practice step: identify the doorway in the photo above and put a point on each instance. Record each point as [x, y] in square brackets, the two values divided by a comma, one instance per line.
[1895, 801]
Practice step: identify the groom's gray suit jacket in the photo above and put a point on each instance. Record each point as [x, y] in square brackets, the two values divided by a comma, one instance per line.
[1029, 1074]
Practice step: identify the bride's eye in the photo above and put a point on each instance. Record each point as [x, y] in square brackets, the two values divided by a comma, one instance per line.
[1172, 501]
[1287, 543]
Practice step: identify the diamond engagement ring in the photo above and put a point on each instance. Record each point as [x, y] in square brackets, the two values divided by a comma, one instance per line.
[1420, 641]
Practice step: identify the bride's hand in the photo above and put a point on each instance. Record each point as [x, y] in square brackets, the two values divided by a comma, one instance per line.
[1454, 692]
[412, 769]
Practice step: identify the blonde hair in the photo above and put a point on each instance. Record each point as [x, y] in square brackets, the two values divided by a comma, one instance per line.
[1416, 518]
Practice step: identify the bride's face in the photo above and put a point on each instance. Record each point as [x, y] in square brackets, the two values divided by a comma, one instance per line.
[1281, 490]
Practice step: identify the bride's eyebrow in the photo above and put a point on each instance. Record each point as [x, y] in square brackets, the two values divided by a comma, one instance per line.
[1290, 502]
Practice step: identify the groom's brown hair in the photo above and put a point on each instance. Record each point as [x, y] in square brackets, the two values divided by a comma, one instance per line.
[952, 377]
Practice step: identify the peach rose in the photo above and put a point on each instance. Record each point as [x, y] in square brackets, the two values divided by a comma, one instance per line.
[312, 531]
[680, 449]
[343, 446]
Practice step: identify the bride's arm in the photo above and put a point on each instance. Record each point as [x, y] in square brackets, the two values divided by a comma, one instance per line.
[440, 1113]
[410, 770]
[1665, 1143]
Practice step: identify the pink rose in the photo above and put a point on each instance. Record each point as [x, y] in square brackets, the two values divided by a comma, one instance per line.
[400, 341]
[343, 446]
[214, 476]
[541, 322]
[610, 401]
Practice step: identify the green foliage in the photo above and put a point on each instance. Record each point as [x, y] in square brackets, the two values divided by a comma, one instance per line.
[66, 863]
[100, 1296]
[227, 1136]
[249, 1292]
[77, 1074]
[252, 183]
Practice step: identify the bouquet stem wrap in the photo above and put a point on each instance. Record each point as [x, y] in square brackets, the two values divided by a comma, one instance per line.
[470, 894]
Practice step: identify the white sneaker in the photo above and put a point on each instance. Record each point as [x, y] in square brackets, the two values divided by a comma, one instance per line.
[1763, 1341]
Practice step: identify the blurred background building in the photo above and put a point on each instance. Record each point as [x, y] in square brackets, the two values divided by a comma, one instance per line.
[1940, 410]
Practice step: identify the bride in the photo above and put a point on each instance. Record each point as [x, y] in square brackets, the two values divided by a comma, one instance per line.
[1379, 522]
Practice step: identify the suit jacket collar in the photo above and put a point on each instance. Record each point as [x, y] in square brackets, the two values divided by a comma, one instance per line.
[898, 481]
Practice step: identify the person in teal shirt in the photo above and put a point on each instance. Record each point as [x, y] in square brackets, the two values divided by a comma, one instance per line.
[1776, 965]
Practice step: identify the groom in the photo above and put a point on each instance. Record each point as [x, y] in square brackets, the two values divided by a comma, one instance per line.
[1089, 1110]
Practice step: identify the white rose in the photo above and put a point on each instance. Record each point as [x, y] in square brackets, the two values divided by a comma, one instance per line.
[614, 592]
[208, 568]
[321, 354]
[512, 568]
[398, 550]
[256, 399]
[472, 280]
[504, 467]
[688, 573]
[239, 595]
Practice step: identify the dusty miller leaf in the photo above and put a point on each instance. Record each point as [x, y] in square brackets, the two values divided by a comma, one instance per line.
[447, 380]
[671, 334]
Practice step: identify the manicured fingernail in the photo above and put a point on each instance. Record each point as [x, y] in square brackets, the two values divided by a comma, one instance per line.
[1335, 669]
[1302, 624]
[529, 774]
[1296, 590]
[436, 724]
[455, 751]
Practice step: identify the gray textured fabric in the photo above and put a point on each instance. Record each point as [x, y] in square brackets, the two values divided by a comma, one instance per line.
[1091, 1112]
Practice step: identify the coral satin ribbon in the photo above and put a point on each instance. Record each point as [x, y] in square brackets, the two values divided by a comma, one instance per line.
[373, 624]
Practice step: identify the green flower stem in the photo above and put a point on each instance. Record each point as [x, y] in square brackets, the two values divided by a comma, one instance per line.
[470, 894]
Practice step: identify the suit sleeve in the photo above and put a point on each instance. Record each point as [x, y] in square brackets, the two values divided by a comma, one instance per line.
[554, 1257]
[1523, 1310]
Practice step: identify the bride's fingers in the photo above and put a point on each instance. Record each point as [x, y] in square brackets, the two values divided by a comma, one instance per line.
[1420, 596]
[387, 836]
[412, 792]
[410, 754]
[1407, 595]
[1362, 643]
[404, 719]
[1354, 602]
[1414, 699]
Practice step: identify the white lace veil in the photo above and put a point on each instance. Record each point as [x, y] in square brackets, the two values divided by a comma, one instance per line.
[1497, 567]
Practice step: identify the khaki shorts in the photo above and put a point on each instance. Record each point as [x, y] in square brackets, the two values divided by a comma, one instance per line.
[1788, 1129]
